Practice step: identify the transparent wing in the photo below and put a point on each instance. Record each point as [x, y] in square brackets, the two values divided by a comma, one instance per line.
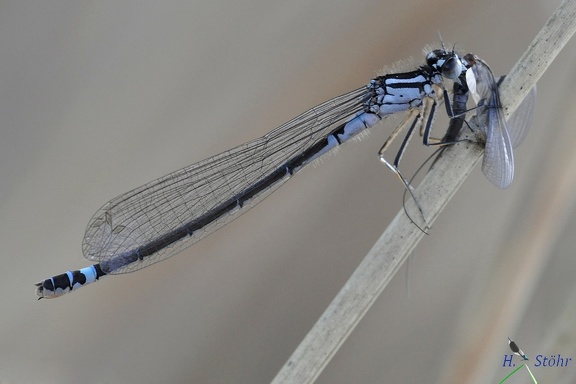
[498, 162]
[163, 205]
[520, 121]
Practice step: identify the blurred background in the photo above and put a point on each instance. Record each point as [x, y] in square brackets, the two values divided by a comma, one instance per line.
[98, 98]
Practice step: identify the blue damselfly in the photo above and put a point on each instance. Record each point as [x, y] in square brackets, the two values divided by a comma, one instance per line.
[161, 218]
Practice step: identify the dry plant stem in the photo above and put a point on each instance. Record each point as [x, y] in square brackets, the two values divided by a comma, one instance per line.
[401, 236]
[539, 55]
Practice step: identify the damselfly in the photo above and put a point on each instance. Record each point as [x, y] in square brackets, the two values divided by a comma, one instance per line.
[161, 218]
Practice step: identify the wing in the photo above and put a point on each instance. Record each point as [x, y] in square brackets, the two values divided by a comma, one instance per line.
[498, 162]
[520, 121]
[158, 209]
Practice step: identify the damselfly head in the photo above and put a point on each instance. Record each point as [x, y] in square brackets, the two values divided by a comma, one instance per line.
[447, 63]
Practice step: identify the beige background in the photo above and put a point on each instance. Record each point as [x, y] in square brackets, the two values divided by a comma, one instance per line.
[97, 98]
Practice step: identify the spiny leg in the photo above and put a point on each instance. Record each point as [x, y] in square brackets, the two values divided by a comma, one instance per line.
[416, 117]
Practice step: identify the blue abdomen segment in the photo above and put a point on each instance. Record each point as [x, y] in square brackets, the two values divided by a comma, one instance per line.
[68, 281]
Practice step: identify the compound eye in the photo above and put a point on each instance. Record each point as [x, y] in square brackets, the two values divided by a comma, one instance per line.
[452, 68]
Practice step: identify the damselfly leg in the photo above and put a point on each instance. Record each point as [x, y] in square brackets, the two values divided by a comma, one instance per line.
[422, 118]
